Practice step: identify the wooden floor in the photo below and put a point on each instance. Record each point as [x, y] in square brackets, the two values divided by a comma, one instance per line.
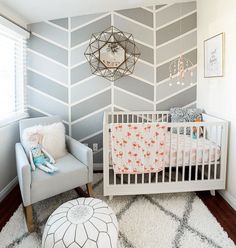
[222, 211]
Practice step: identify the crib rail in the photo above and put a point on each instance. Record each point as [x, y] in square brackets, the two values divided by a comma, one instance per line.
[196, 156]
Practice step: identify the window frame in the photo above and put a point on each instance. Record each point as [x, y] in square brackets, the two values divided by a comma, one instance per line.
[21, 35]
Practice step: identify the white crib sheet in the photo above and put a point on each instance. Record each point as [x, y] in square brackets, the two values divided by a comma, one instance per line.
[201, 148]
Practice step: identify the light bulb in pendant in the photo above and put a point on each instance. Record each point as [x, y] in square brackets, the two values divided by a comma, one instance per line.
[170, 84]
[178, 82]
[182, 83]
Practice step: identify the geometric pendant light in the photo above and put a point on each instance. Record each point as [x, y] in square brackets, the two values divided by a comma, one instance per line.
[112, 53]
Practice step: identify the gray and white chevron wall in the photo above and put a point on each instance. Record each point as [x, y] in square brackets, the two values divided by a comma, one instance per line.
[60, 81]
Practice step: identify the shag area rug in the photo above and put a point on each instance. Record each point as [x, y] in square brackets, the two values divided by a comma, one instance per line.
[147, 221]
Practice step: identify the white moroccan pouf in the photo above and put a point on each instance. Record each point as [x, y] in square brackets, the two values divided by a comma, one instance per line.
[84, 222]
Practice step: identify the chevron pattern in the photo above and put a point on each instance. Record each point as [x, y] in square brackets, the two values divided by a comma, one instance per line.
[60, 81]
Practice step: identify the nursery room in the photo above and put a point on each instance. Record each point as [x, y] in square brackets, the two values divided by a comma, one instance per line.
[117, 125]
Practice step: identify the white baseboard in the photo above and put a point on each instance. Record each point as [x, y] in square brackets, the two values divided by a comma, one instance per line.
[229, 198]
[8, 189]
[98, 166]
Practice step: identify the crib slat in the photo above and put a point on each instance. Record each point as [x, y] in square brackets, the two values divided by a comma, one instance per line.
[170, 155]
[114, 178]
[190, 153]
[210, 153]
[177, 159]
[216, 145]
[163, 175]
[203, 152]
[183, 159]
[197, 153]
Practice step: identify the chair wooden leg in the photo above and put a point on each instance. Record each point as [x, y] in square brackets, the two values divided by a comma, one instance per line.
[90, 189]
[29, 218]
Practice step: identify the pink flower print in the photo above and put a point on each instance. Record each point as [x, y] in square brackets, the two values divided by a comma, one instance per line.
[135, 155]
[147, 154]
[125, 142]
[158, 125]
[128, 134]
[148, 127]
[156, 134]
[129, 161]
[138, 162]
[153, 141]
[135, 128]
[137, 135]
[130, 153]
[118, 127]
[130, 126]
[134, 145]
[119, 154]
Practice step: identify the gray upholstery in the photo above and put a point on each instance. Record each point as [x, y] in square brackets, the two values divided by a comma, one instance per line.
[81, 152]
[24, 173]
[75, 169]
[71, 173]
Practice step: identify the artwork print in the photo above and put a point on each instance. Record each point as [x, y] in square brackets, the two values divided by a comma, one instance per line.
[213, 56]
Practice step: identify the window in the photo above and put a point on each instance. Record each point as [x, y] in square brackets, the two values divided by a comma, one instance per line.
[12, 74]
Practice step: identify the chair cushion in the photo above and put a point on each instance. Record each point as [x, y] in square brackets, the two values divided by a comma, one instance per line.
[72, 173]
[53, 139]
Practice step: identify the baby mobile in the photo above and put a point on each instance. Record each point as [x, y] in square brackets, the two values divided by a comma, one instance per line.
[181, 68]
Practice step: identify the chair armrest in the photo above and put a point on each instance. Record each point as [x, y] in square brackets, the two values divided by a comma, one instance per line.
[82, 153]
[23, 173]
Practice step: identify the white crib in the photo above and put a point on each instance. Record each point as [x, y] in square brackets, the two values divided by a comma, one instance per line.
[181, 174]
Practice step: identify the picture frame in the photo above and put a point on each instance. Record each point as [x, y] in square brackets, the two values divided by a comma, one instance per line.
[214, 56]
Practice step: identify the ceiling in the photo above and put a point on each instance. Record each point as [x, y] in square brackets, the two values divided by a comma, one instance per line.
[30, 11]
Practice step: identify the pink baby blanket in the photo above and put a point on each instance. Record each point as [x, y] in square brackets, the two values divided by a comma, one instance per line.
[138, 147]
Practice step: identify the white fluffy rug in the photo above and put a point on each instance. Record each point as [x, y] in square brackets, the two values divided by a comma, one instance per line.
[149, 221]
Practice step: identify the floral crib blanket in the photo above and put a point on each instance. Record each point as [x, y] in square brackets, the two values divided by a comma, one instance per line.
[138, 148]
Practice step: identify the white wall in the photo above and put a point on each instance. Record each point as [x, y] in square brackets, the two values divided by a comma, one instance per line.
[6, 11]
[9, 135]
[218, 95]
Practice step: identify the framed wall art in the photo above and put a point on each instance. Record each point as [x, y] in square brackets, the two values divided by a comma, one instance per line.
[214, 56]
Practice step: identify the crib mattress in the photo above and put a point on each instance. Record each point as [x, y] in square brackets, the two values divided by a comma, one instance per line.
[190, 151]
